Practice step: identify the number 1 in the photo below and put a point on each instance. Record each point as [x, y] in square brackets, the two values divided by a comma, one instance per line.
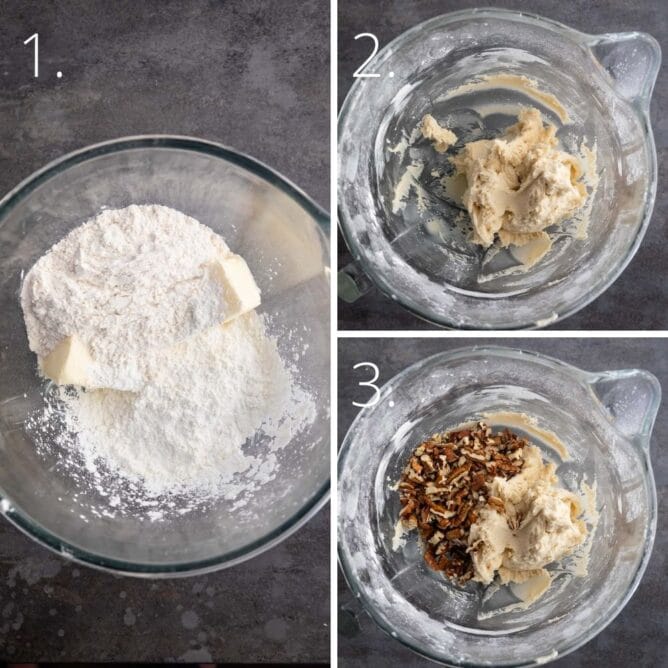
[35, 37]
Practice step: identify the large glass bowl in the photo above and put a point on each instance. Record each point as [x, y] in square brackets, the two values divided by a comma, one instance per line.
[603, 419]
[418, 255]
[282, 235]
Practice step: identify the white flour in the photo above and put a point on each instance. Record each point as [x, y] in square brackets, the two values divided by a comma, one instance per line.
[209, 394]
[126, 282]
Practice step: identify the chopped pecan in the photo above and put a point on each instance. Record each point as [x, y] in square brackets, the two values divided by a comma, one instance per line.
[478, 481]
[458, 473]
[450, 454]
[496, 503]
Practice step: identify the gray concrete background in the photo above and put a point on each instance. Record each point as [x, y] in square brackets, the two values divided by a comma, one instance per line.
[639, 634]
[250, 74]
[637, 300]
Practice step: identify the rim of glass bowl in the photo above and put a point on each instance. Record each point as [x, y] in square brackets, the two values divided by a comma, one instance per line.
[442, 320]
[66, 549]
[512, 353]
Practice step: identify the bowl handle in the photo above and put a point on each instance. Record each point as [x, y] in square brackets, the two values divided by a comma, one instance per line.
[353, 283]
[632, 60]
[353, 618]
[631, 399]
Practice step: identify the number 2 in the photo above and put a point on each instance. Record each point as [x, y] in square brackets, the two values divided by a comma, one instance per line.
[369, 383]
[358, 72]
[35, 38]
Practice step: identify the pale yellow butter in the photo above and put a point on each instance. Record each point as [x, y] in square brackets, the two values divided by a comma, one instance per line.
[69, 363]
[238, 285]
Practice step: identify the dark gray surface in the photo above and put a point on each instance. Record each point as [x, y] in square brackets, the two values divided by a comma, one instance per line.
[252, 75]
[639, 635]
[637, 300]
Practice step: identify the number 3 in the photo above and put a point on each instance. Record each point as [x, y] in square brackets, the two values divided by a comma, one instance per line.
[369, 383]
[358, 72]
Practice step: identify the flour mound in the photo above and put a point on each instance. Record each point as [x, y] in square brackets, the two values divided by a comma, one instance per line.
[126, 282]
[186, 427]
[187, 405]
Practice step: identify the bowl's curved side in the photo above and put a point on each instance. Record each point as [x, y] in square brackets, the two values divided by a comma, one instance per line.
[67, 550]
[243, 160]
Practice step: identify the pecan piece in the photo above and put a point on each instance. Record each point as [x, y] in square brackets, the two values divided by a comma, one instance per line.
[496, 503]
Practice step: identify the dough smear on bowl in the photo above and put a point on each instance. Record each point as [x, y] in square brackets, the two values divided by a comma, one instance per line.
[441, 137]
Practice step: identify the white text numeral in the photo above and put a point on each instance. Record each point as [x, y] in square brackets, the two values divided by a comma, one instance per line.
[35, 38]
[369, 383]
[358, 72]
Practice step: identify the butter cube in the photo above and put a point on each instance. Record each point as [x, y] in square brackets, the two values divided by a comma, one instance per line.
[68, 363]
[238, 285]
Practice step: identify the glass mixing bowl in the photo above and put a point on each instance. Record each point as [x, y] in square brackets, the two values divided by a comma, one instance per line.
[282, 235]
[417, 255]
[603, 419]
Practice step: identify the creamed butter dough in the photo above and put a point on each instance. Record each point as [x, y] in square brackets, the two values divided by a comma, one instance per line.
[518, 184]
[540, 524]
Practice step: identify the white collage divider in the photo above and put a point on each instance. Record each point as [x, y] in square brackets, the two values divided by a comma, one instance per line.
[333, 90]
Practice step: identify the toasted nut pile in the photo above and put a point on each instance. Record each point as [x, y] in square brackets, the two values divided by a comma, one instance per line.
[444, 486]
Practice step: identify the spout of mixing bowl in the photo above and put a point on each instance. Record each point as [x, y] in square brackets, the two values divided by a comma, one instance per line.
[632, 60]
[631, 400]
[353, 283]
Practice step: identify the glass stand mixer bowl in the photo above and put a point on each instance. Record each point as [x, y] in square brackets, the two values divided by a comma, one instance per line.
[604, 420]
[416, 254]
[282, 235]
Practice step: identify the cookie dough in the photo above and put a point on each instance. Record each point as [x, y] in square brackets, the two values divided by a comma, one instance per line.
[518, 184]
[540, 525]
